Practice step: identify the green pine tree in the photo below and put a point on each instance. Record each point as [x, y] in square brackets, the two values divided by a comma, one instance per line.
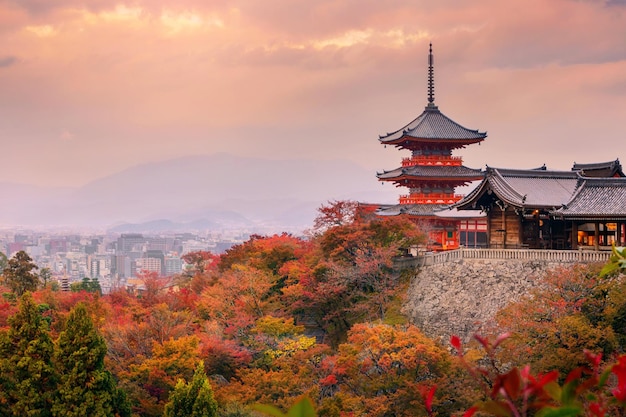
[27, 375]
[19, 274]
[193, 399]
[86, 388]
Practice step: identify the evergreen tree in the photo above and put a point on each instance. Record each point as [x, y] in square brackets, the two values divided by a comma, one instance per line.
[19, 274]
[4, 261]
[27, 375]
[193, 399]
[85, 387]
[87, 284]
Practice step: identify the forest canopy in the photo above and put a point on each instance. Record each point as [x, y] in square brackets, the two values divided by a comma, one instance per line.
[280, 317]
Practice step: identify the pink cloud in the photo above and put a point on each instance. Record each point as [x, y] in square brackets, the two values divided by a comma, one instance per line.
[310, 78]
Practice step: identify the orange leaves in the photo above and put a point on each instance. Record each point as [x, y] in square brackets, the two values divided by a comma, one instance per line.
[157, 375]
[390, 365]
[237, 298]
[556, 322]
[265, 253]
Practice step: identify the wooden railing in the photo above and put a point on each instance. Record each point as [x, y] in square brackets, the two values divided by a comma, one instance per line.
[432, 160]
[565, 256]
[431, 198]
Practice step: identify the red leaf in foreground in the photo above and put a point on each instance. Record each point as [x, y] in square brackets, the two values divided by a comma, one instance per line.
[428, 398]
[597, 409]
[470, 412]
[455, 342]
[594, 359]
[619, 370]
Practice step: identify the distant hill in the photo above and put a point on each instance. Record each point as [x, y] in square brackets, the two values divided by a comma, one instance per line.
[214, 191]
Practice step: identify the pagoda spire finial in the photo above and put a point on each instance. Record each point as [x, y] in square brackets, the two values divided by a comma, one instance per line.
[431, 80]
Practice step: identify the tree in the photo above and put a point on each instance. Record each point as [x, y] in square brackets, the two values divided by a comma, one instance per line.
[552, 325]
[354, 278]
[89, 285]
[3, 262]
[336, 213]
[86, 388]
[199, 262]
[44, 275]
[194, 399]
[27, 375]
[19, 274]
[381, 371]
[237, 299]
[154, 378]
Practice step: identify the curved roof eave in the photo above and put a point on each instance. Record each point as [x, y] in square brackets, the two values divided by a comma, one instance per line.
[433, 125]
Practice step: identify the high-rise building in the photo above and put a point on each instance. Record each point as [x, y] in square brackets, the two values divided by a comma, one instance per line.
[149, 265]
[130, 242]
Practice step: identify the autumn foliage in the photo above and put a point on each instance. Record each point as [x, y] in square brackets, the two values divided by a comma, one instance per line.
[279, 318]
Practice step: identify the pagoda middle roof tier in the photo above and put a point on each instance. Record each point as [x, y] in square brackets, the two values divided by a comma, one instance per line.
[451, 173]
[433, 126]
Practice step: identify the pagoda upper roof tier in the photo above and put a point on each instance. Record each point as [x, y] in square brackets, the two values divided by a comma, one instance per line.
[437, 173]
[433, 127]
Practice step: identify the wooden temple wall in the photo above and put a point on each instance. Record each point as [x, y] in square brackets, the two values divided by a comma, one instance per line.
[504, 228]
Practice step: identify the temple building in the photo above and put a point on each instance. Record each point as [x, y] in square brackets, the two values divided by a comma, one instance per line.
[584, 208]
[431, 173]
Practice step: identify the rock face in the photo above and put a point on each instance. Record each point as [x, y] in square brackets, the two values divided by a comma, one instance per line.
[462, 296]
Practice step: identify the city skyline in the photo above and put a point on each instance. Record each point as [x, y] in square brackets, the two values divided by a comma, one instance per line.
[92, 88]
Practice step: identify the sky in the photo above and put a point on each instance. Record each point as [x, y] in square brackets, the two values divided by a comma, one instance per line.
[90, 88]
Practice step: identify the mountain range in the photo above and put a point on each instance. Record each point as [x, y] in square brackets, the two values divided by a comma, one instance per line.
[204, 192]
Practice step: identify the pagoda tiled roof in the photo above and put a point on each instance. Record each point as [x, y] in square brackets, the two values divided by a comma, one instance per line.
[434, 125]
[596, 198]
[534, 188]
[428, 171]
[419, 210]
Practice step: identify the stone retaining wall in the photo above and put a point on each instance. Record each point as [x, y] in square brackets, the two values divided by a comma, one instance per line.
[463, 295]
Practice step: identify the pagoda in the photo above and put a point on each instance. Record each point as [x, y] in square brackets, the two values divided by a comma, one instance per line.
[431, 173]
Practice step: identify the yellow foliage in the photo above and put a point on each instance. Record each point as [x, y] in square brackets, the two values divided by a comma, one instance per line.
[277, 326]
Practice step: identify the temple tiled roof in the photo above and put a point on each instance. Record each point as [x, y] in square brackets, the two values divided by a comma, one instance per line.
[600, 169]
[538, 188]
[596, 198]
[432, 124]
[443, 172]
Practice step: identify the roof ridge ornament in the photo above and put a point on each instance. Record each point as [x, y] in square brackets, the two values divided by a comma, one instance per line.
[431, 79]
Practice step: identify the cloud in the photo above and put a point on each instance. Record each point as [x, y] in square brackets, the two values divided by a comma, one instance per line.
[7, 61]
[157, 77]
[66, 136]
